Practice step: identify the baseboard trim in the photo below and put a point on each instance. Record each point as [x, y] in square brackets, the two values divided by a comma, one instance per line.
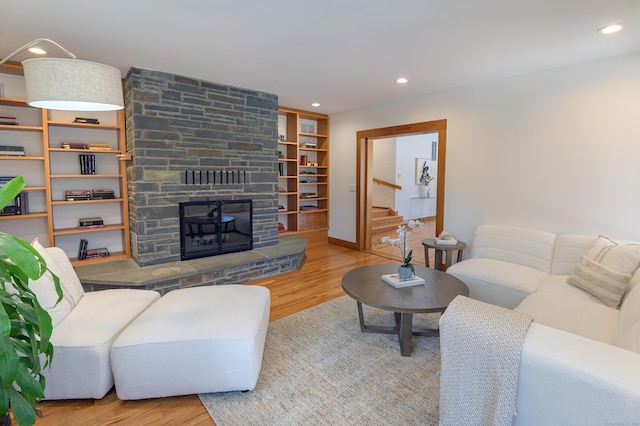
[342, 243]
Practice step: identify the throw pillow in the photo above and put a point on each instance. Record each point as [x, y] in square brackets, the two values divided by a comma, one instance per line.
[623, 258]
[605, 284]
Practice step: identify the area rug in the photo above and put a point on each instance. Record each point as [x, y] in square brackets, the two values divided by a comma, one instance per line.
[319, 369]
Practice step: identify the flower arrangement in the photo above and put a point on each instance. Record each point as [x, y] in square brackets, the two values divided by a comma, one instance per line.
[401, 241]
[425, 177]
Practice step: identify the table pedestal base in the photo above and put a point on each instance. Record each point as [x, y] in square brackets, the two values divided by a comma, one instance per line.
[403, 329]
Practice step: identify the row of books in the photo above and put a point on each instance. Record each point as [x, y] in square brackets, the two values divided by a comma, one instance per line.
[89, 194]
[19, 205]
[87, 164]
[8, 120]
[87, 253]
[90, 222]
[12, 150]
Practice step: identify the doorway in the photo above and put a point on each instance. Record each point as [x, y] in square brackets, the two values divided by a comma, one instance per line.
[364, 168]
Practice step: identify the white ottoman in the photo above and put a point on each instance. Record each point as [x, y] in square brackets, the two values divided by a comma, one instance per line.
[194, 340]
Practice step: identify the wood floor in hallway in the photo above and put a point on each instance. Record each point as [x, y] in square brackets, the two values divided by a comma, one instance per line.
[414, 242]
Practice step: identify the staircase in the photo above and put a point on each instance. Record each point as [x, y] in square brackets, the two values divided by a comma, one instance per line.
[384, 219]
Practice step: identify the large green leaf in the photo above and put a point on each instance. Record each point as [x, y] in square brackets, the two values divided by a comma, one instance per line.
[21, 255]
[23, 411]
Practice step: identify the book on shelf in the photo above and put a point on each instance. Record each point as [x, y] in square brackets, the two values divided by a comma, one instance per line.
[8, 120]
[103, 194]
[99, 252]
[90, 221]
[87, 164]
[308, 195]
[19, 205]
[77, 195]
[394, 280]
[74, 145]
[11, 150]
[100, 146]
[6, 179]
[82, 249]
[86, 120]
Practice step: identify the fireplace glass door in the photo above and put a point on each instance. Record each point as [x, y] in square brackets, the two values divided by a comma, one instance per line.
[209, 228]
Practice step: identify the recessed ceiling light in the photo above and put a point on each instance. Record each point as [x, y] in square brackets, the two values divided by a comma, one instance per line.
[37, 50]
[402, 80]
[610, 29]
[315, 104]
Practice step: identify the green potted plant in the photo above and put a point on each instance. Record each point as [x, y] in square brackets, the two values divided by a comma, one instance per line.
[25, 327]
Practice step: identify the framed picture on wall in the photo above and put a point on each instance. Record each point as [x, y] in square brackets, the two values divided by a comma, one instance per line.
[423, 173]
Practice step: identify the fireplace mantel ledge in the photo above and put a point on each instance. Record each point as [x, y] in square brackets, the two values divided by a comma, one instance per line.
[231, 268]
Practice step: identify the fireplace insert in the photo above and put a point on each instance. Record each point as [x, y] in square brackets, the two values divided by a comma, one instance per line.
[209, 228]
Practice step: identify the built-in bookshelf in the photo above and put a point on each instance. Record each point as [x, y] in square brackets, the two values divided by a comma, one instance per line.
[304, 172]
[51, 167]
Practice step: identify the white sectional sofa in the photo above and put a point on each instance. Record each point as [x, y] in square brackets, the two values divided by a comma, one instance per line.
[85, 326]
[580, 362]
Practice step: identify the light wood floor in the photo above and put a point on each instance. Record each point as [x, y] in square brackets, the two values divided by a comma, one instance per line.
[317, 281]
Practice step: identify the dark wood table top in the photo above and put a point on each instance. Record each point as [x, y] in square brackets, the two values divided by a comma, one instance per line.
[365, 285]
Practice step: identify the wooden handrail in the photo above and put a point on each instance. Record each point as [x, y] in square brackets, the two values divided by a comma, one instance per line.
[385, 183]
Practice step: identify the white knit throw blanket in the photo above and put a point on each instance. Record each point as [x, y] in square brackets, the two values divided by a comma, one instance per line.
[480, 346]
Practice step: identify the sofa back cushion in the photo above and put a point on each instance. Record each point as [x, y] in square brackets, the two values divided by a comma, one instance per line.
[44, 287]
[522, 246]
[628, 336]
[567, 251]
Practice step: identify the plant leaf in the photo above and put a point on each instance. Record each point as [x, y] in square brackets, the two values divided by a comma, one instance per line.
[24, 413]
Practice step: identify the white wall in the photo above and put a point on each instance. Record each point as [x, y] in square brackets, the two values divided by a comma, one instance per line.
[555, 150]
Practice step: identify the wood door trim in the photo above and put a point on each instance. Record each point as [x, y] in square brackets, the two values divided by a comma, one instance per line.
[364, 165]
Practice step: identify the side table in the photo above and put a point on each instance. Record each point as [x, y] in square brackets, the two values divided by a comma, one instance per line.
[448, 249]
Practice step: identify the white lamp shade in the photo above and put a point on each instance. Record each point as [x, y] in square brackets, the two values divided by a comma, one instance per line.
[72, 84]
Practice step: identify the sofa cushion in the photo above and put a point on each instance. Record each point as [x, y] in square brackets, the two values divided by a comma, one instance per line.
[81, 366]
[58, 262]
[585, 318]
[567, 251]
[606, 284]
[557, 284]
[628, 332]
[496, 281]
[521, 246]
[45, 291]
[71, 285]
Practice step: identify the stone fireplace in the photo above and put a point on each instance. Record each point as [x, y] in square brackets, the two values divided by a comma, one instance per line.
[193, 140]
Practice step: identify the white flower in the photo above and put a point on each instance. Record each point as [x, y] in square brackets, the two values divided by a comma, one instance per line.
[401, 241]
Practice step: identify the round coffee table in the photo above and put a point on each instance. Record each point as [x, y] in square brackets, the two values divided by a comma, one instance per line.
[366, 286]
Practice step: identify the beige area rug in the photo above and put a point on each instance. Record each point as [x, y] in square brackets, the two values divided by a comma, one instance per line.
[319, 369]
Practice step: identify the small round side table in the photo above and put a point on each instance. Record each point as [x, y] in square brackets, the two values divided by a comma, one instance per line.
[448, 249]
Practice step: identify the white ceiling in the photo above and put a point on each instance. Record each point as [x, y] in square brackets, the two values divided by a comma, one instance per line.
[345, 54]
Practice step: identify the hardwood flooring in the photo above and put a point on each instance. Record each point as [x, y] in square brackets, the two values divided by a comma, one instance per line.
[317, 281]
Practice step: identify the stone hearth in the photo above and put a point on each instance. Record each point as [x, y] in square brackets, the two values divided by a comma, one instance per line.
[232, 268]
